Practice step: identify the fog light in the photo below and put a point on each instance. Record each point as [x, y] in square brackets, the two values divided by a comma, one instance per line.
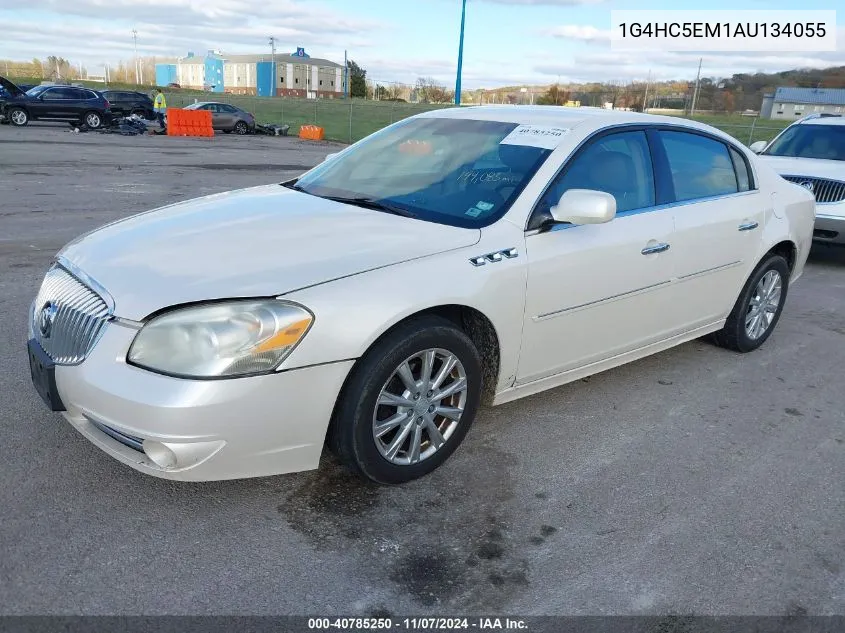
[161, 455]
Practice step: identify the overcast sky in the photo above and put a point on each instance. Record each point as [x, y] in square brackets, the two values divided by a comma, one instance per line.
[507, 41]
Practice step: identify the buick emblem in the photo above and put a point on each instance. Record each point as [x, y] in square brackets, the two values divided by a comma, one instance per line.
[807, 184]
[46, 318]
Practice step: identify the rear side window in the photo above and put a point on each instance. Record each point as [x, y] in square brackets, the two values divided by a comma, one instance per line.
[743, 175]
[59, 93]
[618, 164]
[700, 166]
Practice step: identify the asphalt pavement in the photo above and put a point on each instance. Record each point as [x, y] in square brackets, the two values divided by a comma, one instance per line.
[696, 481]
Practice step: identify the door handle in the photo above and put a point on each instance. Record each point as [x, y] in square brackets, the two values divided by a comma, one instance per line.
[656, 248]
[748, 226]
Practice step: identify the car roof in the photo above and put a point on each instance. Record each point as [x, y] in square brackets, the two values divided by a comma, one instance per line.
[571, 117]
[826, 120]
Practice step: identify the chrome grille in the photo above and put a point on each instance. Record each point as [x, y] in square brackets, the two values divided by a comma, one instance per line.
[825, 190]
[67, 317]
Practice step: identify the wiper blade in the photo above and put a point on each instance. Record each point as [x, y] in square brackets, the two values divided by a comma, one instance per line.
[370, 203]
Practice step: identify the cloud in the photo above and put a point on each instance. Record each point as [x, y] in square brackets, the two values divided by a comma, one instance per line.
[578, 32]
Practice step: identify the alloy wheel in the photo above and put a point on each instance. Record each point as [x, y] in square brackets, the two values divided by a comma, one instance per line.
[764, 305]
[420, 406]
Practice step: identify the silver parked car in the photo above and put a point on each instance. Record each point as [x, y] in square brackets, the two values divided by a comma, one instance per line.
[226, 117]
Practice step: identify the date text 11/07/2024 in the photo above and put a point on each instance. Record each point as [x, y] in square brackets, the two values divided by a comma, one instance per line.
[417, 624]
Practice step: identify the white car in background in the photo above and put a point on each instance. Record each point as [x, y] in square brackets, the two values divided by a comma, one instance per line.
[458, 257]
[811, 153]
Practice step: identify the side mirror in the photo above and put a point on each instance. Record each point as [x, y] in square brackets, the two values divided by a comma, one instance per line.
[330, 156]
[758, 146]
[584, 206]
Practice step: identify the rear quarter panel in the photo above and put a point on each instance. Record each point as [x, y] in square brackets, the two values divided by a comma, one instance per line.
[791, 217]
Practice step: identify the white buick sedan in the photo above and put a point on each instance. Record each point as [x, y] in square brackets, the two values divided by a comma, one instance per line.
[459, 257]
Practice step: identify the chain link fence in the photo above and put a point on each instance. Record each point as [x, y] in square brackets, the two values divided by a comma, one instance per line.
[349, 120]
[345, 120]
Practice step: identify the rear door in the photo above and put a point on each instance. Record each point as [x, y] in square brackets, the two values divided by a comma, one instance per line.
[83, 101]
[718, 214]
[228, 116]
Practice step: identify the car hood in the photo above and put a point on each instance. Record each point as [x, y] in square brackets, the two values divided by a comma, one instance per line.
[12, 88]
[815, 167]
[261, 241]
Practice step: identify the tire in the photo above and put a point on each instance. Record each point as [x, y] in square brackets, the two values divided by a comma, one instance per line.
[740, 333]
[352, 432]
[241, 128]
[18, 117]
[93, 120]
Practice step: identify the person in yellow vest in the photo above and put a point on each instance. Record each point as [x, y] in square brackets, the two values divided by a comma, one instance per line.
[160, 107]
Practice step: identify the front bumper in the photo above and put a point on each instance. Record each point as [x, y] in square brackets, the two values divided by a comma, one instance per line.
[200, 430]
[829, 229]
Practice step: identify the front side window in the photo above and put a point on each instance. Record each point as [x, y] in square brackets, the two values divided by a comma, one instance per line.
[618, 164]
[451, 171]
[700, 166]
[810, 141]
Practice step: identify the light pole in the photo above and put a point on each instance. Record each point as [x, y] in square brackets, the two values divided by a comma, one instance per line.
[460, 54]
[273, 56]
[137, 66]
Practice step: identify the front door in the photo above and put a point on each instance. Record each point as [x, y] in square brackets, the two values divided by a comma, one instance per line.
[54, 103]
[597, 291]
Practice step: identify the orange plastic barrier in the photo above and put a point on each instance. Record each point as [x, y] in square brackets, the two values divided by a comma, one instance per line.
[312, 132]
[182, 122]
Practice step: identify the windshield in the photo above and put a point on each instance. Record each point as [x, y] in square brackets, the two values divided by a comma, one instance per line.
[810, 141]
[34, 92]
[451, 171]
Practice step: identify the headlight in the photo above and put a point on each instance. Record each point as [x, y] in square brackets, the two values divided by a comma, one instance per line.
[225, 339]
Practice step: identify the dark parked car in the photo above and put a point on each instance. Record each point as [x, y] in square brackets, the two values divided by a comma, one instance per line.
[128, 102]
[226, 117]
[58, 103]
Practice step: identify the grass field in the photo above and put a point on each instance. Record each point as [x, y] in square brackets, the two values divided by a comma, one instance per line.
[349, 121]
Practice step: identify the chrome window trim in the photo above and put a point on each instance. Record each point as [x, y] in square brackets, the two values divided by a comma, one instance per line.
[660, 207]
[623, 127]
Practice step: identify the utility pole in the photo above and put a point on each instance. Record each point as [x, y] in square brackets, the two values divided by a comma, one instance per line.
[460, 54]
[695, 93]
[273, 57]
[345, 76]
[645, 98]
[137, 65]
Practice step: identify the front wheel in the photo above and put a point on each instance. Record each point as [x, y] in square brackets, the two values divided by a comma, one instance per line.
[241, 128]
[758, 309]
[18, 116]
[409, 402]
